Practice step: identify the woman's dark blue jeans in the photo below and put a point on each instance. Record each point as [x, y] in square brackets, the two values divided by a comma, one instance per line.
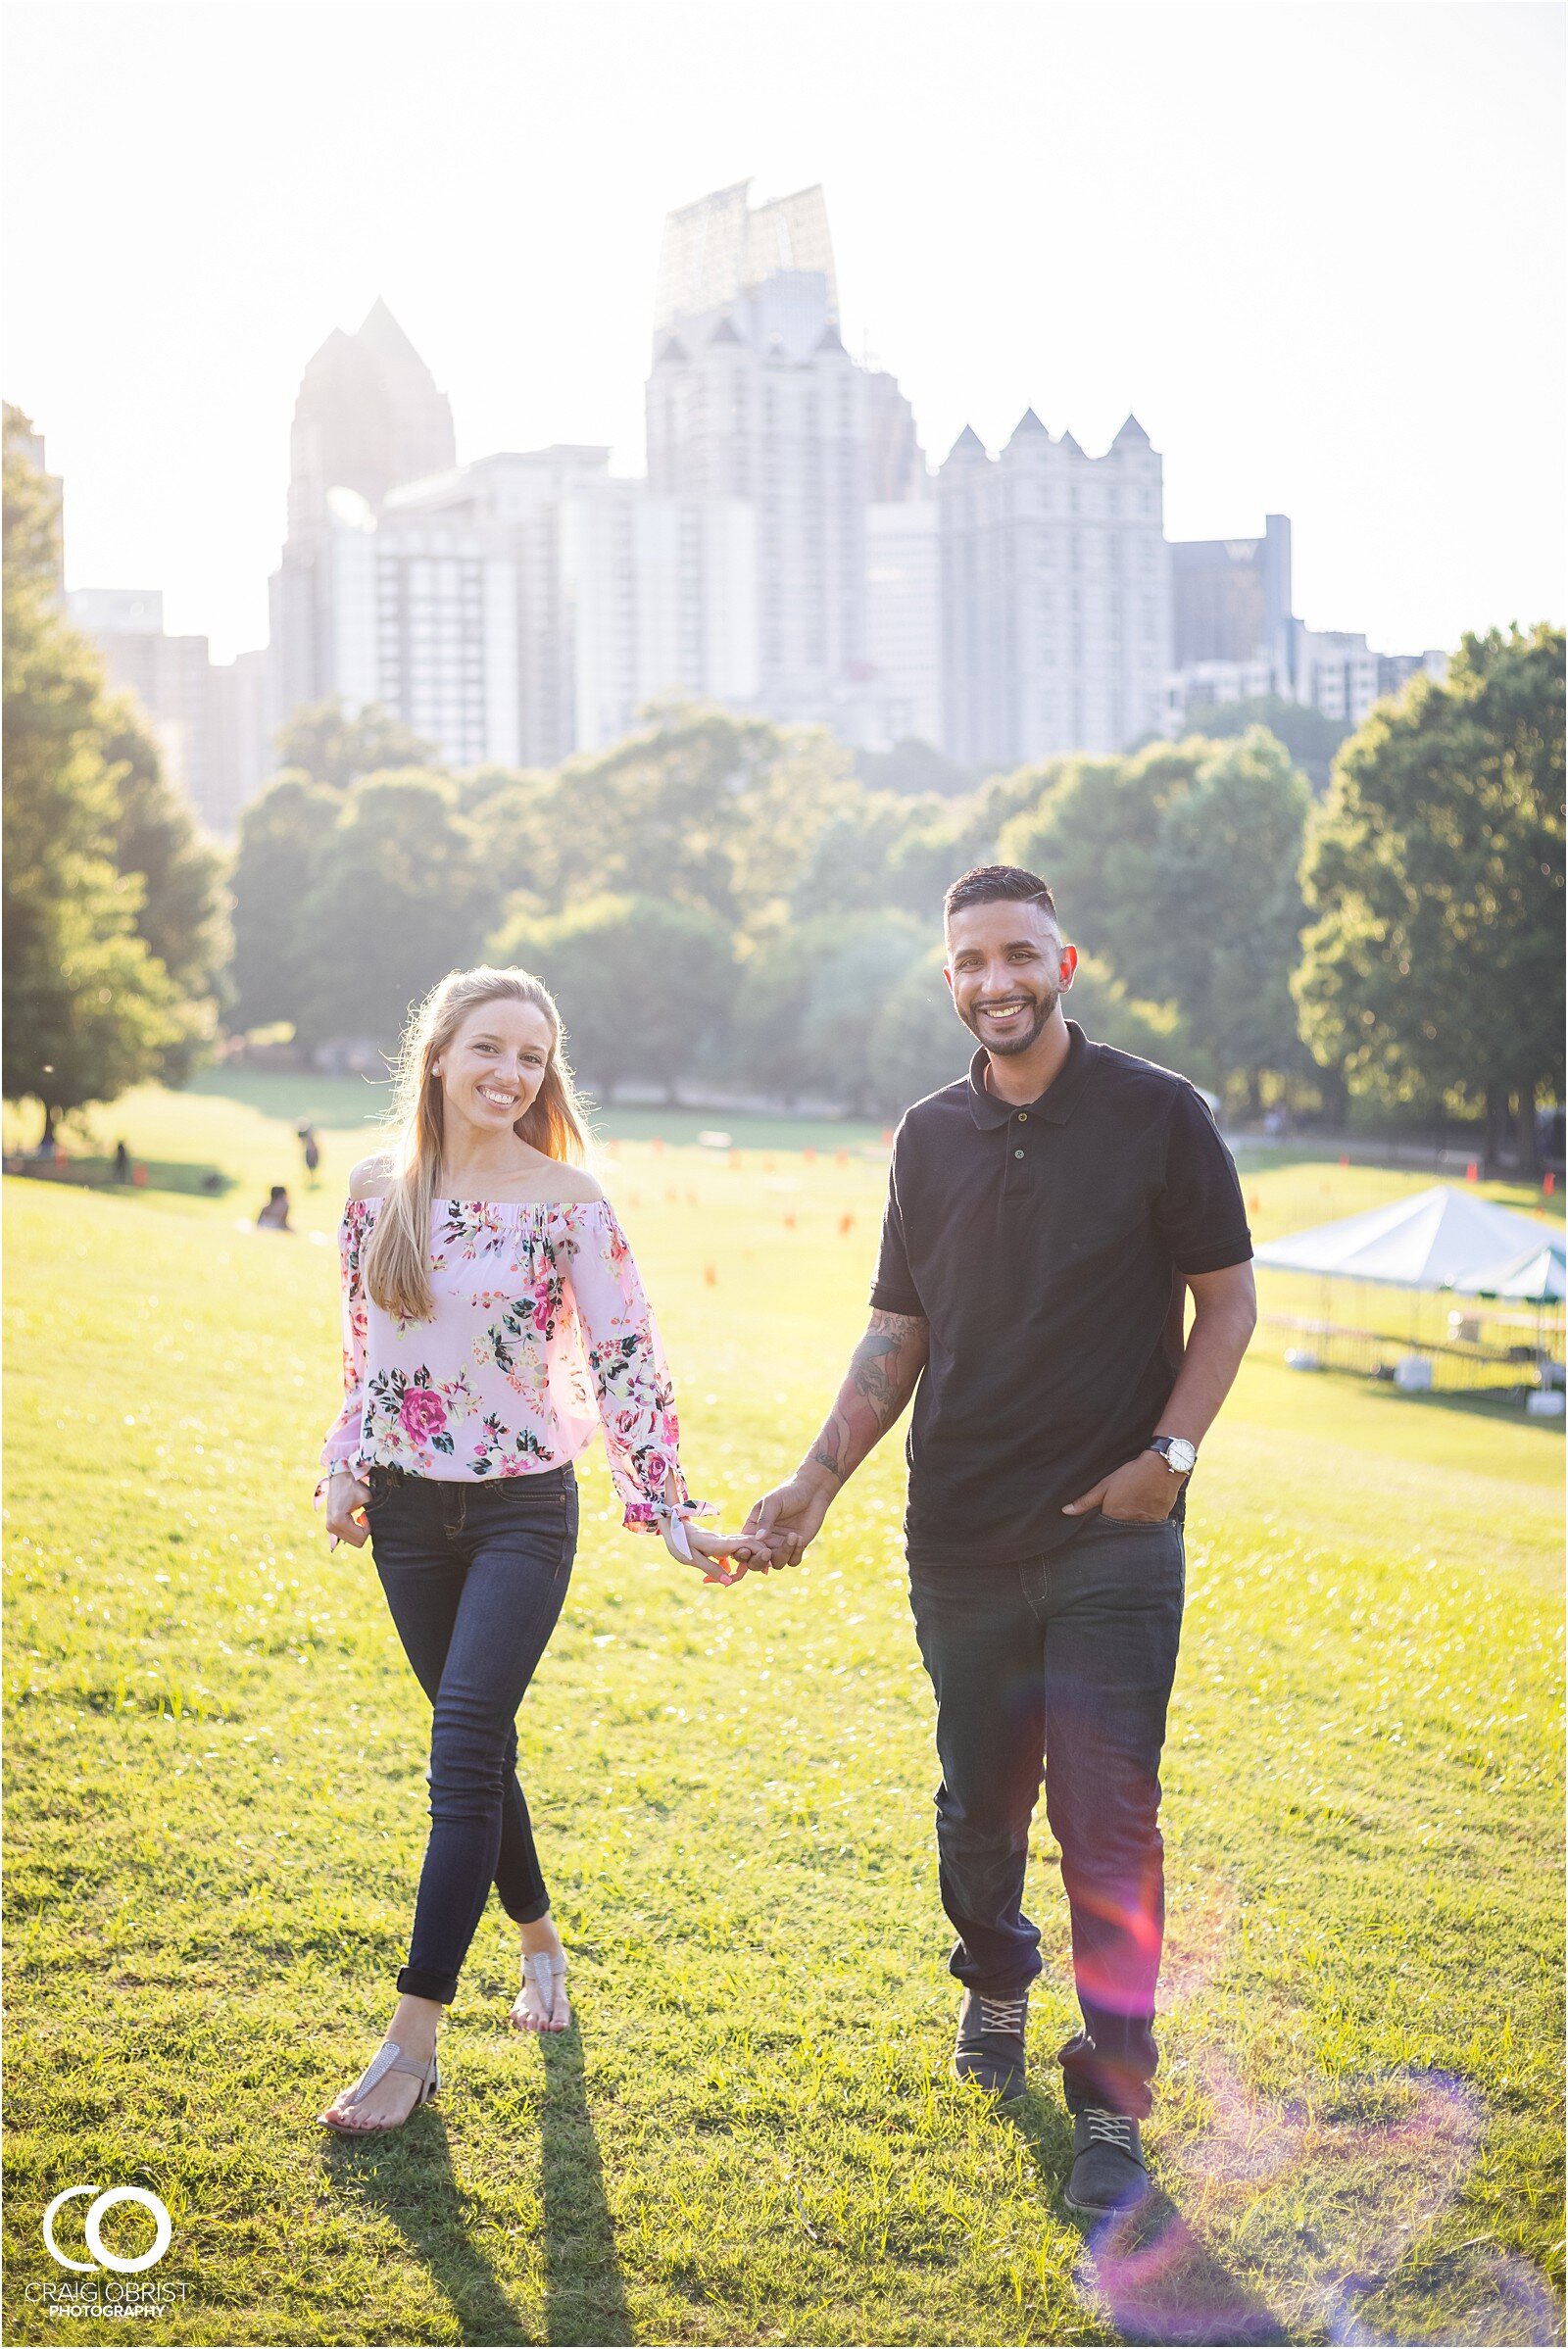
[474, 1576]
[1062, 1665]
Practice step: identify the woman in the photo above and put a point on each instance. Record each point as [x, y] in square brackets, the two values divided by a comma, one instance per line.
[492, 1317]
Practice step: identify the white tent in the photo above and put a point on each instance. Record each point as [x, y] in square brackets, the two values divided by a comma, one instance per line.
[1536, 1278]
[1444, 1238]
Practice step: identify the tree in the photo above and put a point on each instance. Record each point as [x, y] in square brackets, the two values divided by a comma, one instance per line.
[809, 1001]
[281, 838]
[919, 1043]
[515, 813]
[1232, 911]
[914, 771]
[643, 986]
[1178, 866]
[1435, 869]
[325, 742]
[399, 894]
[90, 1008]
[703, 808]
[1310, 738]
[852, 865]
[182, 915]
[849, 985]
[768, 1048]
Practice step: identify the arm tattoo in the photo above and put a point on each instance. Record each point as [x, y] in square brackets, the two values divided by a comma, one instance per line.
[883, 1374]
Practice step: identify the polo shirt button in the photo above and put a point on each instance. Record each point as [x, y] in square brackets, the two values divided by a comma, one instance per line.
[1017, 1153]
[1023, 1118]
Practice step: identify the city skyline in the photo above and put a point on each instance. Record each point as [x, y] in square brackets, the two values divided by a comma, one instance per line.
[1320, 176]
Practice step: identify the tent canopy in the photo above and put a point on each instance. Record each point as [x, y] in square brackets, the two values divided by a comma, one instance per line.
[1444, 1238]
[1536, 1278]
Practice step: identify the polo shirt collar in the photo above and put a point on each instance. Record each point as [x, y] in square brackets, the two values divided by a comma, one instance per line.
[1055, 1104]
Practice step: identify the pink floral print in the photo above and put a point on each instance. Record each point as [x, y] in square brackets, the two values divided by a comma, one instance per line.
[541, 1334]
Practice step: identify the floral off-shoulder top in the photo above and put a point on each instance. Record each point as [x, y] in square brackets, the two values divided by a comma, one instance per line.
[541, 1334]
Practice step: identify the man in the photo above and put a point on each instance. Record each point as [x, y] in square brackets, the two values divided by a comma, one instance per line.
[1045, 1217]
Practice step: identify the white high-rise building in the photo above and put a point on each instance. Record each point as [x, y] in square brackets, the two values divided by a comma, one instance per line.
[1338, 674]
[521, 607]
[169, 676]
[209, 722]
[752, 397]
[1056, 608]
[241, 737]
[903, 621]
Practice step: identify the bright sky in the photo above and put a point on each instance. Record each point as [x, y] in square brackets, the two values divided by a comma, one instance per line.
[1316, 247]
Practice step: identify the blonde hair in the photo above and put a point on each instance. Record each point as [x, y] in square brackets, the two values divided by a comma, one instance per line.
[397, 1265]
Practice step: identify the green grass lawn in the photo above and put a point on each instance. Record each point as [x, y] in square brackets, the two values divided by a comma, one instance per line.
[214, 1760]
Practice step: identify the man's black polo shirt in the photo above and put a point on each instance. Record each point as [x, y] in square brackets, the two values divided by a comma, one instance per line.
[1044, 1245]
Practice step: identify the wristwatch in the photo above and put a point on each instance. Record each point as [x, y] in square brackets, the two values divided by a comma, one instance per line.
[1179, 1456]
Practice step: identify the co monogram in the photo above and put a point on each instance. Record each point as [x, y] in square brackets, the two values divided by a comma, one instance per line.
[92, 2228]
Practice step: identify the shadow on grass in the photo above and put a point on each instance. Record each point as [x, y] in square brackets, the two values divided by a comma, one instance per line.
[196, 1179]
[407, 2173]
[585, 2297]
[1160, 2281]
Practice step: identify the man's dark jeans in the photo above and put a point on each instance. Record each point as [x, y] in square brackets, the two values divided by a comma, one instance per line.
[474, 1576]
[1067, 1662]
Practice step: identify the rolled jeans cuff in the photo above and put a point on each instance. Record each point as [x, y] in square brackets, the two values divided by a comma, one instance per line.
[418, 1982]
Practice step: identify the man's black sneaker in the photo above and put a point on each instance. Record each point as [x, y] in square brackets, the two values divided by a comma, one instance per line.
[988, 2049]
[1108, 2164]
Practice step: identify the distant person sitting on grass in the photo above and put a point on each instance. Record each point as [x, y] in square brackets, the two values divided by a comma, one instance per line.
[493, 1320]
[1045, 1216]
[274, 1217]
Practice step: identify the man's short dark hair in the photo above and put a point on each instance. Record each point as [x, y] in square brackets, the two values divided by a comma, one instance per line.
[996, 884]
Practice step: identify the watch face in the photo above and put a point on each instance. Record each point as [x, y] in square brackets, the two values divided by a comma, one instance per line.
[1181, 1455]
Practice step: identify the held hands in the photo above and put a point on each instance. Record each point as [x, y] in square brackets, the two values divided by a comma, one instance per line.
[788, 1520]
[709, 1552]
[1142, 1492]
[695, 1547]
[777, 1533]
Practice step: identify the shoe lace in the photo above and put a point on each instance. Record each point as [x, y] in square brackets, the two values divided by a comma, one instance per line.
[1003, 2014]
[1114, 2128]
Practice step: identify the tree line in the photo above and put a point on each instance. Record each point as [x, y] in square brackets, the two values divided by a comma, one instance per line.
[116, 930]
[720, 899]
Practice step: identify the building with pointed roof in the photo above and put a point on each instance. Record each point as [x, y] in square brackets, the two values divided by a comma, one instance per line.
[368, 415]
[1055, 594]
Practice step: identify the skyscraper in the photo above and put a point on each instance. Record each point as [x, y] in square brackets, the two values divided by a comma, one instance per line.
[1055, 594]
[721, 246]
[368, 418]
[752, 395]
[169, 676]
[1231, 599]
[521, 607]
[368, 415]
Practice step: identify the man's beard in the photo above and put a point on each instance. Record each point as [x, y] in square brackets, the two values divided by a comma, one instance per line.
[1027, 1032]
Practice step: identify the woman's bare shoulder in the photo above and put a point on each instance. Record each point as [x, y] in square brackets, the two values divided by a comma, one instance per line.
[574, 1186]
[372, 1177]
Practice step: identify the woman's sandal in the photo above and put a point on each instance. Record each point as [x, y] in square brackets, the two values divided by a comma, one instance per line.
[388, 2058]
[542, 1973]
